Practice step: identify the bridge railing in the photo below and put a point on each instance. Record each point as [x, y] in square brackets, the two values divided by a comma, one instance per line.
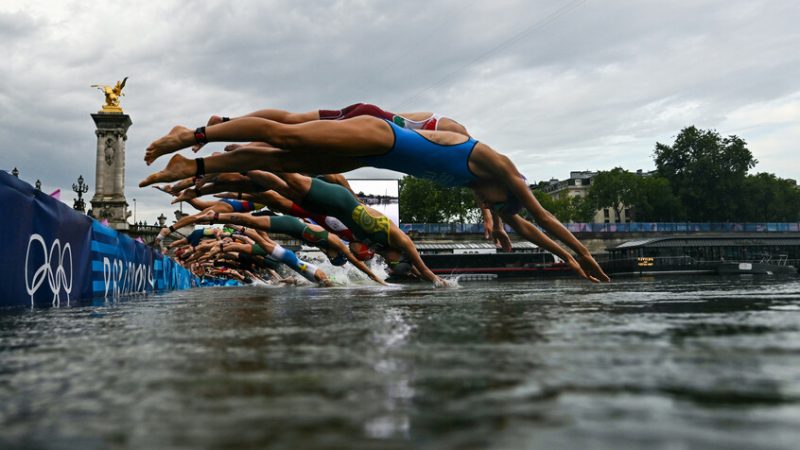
[632, 227]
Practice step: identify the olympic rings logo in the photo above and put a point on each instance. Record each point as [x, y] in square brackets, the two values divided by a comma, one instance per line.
[57, 279]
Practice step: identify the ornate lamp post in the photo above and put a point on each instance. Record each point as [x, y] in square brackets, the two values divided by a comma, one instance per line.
[162, 219]
[38, 185]
[15, 172]
[80, 189]
[134, 211]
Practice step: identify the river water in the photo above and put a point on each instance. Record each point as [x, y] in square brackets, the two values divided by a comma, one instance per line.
[639, 363]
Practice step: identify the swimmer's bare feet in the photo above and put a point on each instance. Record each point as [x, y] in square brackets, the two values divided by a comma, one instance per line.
[207, 217]
[214, 250]
[167, 188]
[185, 196]
[213, 120]
[177, 168]
[178, 138]
[201, 181]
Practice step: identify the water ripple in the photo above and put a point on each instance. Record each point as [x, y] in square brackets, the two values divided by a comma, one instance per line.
[663, 363]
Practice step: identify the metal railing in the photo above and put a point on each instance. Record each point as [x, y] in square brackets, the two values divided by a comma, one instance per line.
[632, 227]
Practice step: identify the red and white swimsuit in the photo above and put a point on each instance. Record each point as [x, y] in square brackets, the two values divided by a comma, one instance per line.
[366, 109]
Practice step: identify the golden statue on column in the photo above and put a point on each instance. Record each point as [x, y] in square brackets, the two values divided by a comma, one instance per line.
[112, 96]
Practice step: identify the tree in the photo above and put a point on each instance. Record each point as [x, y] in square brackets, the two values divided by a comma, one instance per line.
[648, 198]
[614, 189]
[582, 210]
[707, 172]
[566, 209]
[547, 202]
[656, 202]
[419, 201]
[459, 205]
[423, 201]
[770, 199]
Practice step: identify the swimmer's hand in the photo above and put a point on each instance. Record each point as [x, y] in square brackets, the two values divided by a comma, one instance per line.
[501, 239]
[322, 279]
[166, 188]
[592, 268]
[575, 265]
[442, 283]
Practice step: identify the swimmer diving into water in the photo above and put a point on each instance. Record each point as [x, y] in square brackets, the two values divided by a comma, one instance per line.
[493, 225]
[343, 145]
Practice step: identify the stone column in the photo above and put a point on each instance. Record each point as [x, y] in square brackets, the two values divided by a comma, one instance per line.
[109, 197]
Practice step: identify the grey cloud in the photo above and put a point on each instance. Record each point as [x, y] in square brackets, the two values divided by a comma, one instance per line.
[592, 89]
[15, 26]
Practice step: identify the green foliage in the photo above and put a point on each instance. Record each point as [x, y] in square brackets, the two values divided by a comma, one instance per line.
[582, 210]
[702, 177]
[419, 201]
[614, 189]
[423, 201]
[547, 202]
[769, 199]
[707, 173]
[656, 202]
[565, 209]
[649, 198]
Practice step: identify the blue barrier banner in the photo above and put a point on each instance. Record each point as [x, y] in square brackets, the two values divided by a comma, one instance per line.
[120, 265]
[53, 255]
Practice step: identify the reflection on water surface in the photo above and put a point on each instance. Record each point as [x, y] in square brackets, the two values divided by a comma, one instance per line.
[692, 362]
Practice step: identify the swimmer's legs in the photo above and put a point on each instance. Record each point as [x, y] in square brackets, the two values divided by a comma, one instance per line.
[354, 137]
[251, 158]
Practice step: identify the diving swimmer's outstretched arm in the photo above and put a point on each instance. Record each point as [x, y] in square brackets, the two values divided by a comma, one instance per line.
[341, 247]
[532, 234]
[264, 224]
[402, 242]
[549, 222]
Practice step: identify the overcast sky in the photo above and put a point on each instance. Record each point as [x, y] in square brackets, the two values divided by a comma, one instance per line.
[557, 85]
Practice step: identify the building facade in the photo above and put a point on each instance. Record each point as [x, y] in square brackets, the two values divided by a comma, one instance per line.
[578, 185]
